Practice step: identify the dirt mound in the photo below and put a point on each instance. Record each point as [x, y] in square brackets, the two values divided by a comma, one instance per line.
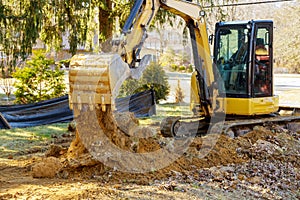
[47, 168]
[76, 148]
[55, 151]
[269, 142]
[263, 164]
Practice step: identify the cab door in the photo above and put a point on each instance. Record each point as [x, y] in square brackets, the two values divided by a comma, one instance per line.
[262, 60]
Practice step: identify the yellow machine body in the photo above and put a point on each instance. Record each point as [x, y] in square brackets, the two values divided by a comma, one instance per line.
[229, 83]
[250, 106]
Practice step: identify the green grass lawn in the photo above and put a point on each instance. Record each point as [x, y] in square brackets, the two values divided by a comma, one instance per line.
[166, 110]
[17, 140]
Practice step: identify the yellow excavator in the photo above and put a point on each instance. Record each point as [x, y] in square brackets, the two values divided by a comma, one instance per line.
[236, 84]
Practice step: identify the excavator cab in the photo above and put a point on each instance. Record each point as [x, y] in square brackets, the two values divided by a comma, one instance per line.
[243, 55]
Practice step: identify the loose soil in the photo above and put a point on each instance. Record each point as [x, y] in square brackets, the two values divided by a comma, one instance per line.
[262, 164]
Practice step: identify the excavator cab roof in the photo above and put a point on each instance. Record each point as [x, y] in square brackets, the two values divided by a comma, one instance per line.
[244, 22]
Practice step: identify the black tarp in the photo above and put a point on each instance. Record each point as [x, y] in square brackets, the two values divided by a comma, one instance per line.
[44, 112]
[57, 110]
[141, 104]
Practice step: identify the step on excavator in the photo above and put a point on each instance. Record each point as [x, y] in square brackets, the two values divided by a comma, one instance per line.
[231, 93]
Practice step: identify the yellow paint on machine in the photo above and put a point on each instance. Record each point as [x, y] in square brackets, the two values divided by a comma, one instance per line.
[250, 106]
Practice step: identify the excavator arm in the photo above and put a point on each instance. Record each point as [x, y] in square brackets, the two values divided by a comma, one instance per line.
[134, 32]
[112, 69]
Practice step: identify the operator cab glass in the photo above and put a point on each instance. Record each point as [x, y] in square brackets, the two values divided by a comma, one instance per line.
[262, 64]
[243, 58]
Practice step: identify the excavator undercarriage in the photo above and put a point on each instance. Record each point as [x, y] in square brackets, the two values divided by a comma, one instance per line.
[233, 126]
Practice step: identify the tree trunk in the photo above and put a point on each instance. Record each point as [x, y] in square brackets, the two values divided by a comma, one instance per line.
[106, 25]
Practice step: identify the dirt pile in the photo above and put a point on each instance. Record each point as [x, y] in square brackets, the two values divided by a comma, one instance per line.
[129, 136]
[47, 168]
[261, 144]
[271, 168]
[262, 164]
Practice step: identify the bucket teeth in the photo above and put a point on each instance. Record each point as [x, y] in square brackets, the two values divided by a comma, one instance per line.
[95, 80]
[79, 103]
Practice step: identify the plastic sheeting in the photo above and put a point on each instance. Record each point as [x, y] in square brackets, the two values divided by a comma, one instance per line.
[45, 112]
[57, 110]
[141, 104]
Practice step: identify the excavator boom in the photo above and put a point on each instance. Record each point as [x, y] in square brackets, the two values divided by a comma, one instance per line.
[113, 69]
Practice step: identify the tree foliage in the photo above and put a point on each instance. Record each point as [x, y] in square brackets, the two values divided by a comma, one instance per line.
[20, 27]
[37, 81]
[154, 77]
[22, 22]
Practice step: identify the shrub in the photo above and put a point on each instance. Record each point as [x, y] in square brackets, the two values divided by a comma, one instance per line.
[190, 68]
[64, 63]
[182, 68]
[179, 96]
[154, 77]
[174, 67]
[37, 81]
[129, 87]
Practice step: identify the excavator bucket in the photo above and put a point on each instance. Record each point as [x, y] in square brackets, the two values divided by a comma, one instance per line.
[95, 80]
